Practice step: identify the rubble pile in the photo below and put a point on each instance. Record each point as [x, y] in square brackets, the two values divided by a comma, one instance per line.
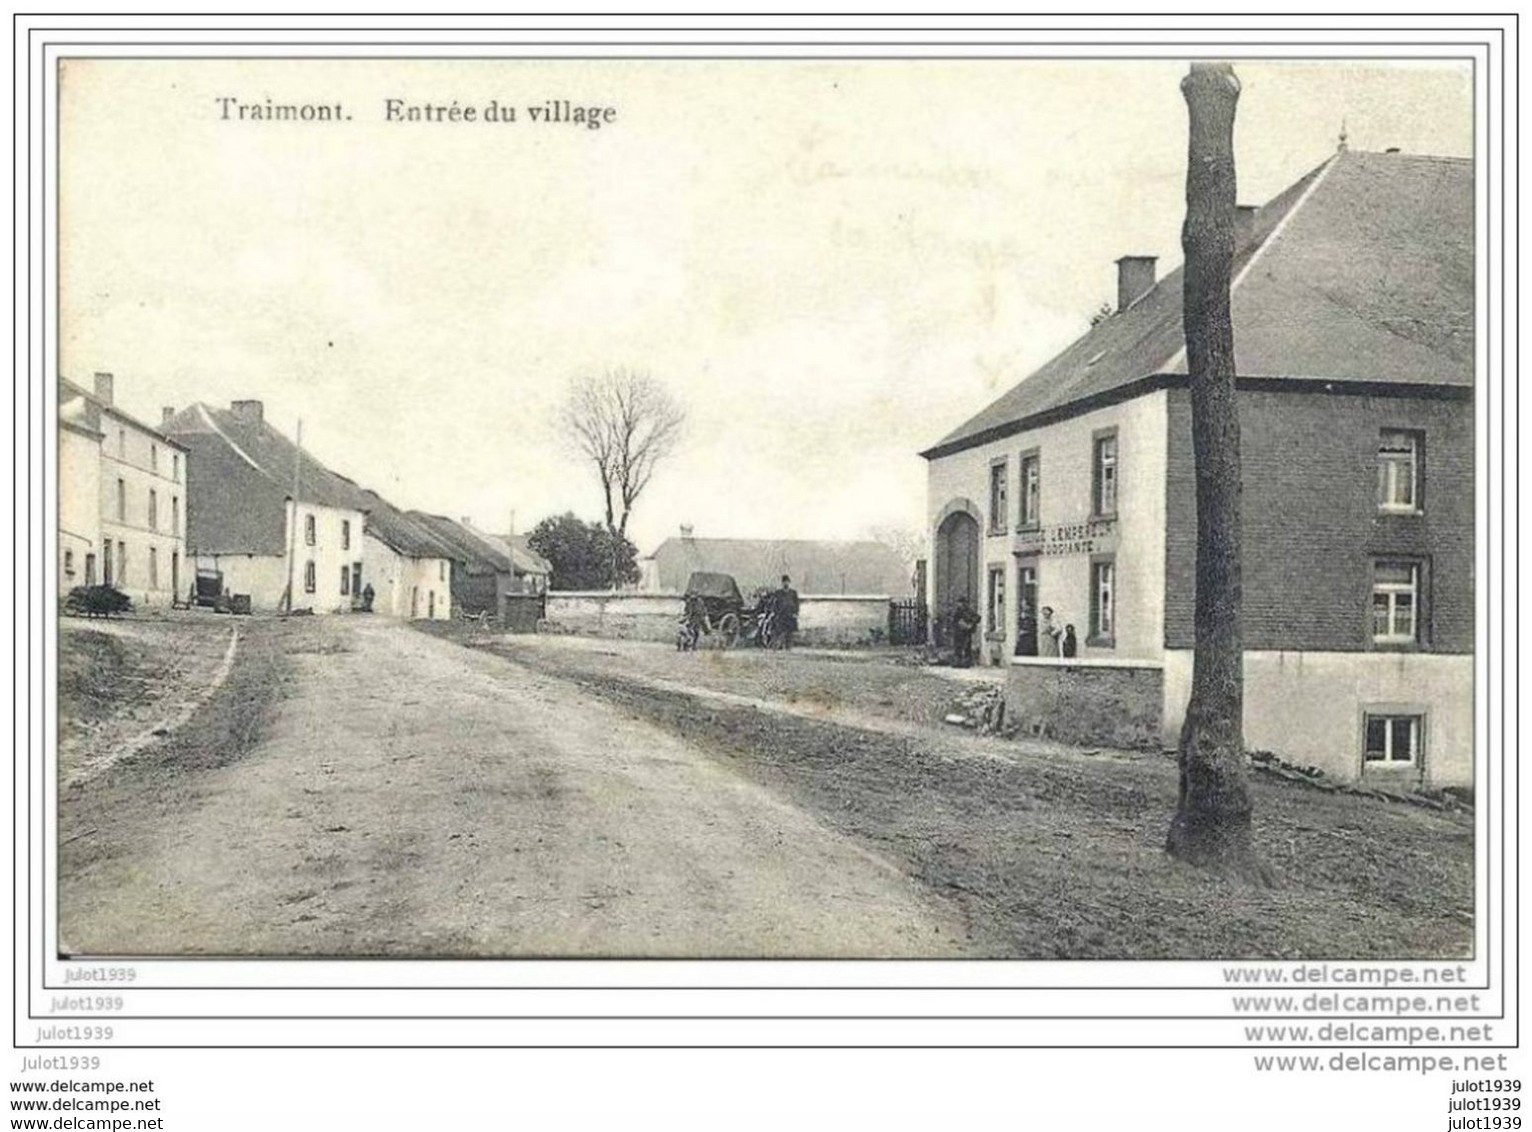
[1267, 763]
[982, 709]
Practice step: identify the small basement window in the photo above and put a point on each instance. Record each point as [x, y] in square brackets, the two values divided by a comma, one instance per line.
[1392, 740]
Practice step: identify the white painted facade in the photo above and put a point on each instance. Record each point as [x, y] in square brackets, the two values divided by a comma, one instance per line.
[1309, 708]
[337, 541]
[410, 588]
[1065, 449]
[79, 501]
[142, 488]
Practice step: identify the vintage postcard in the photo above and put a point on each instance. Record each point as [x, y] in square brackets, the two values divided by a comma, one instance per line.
[767, 508]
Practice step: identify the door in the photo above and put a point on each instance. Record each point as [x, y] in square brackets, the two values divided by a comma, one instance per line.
[431, 605]
[175, 575]
[90, 569]
[957, 568]
[106, 562]
[1026, 607]
[414, 602]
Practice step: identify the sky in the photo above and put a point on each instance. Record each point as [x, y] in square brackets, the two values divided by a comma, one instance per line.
[829, 264]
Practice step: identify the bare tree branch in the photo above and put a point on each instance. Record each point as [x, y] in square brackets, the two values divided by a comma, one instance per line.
[625, 423]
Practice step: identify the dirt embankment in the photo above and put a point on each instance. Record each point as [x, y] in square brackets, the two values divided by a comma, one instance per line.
[125, 677]
[1059, 853]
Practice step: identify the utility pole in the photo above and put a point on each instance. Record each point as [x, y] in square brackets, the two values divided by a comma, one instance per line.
[292, 526]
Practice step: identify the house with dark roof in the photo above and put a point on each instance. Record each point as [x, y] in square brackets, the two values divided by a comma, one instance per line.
[122, 485]
[530, 571]
[267, 518]
[480, 574]
[820, 567]
[1069, 500]
[408, 567]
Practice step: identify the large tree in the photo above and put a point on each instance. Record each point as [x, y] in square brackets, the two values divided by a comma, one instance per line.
[584, 556]
[1211, 827]
[625, 423]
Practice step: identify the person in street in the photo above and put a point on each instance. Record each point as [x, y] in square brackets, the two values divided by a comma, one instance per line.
[368, 593]
[965, 620]
[1048, 634]
[1026, 632]
[1069, 646]
[785, 606]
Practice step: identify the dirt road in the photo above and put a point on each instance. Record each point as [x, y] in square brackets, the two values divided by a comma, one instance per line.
[410, 797]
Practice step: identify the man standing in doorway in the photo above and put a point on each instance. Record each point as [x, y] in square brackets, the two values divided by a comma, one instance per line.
[786, 608]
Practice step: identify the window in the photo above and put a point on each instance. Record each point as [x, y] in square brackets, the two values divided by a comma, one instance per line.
[308, 529]
[122, 501]
[154, 568]
[1392, 740]
[310, 579]
[1104, 474]
[345, 580]
[1027, 514]
[107, 575]
[1103, 600]
[122, 562]
[122, 444]
[175, 515]
[90, 569]
[1399, 460]
[441, 570]
[997, 507]
[154, 458]
[996, 599]
[69, 563]
[345, 534]
[1395, 602]
[175, 466]
[154, 510]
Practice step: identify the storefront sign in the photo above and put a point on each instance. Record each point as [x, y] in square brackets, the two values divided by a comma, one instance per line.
[1096, 536]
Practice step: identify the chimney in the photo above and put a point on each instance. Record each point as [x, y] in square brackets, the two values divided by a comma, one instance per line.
[166, 412]
[104, 388]
[1244, 224]
[1135, 278]
[686, 530]
[251, 411]
[465, 521]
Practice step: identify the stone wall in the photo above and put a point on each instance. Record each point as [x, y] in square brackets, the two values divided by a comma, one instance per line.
[1087, 701]
[830, 620]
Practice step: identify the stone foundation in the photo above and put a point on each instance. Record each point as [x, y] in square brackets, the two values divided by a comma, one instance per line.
[1109, 703]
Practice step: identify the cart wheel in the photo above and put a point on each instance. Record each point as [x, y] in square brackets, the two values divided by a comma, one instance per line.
[728, 629]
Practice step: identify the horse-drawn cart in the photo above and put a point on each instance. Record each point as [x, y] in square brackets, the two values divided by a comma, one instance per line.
[716, 611]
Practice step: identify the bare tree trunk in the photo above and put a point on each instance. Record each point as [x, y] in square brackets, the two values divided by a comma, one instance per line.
[1212, 823]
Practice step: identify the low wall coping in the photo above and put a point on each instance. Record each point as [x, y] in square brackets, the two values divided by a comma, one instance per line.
[1085, 662]
[677, 596]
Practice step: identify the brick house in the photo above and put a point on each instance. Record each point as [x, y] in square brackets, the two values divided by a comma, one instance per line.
[1353, 304]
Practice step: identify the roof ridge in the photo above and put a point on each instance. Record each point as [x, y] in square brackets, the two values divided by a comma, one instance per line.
[1179, 357]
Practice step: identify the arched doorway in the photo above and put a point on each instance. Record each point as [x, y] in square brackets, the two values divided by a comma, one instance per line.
[957, 567]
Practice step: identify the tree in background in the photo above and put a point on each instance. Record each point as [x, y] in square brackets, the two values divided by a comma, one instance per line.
[625, 423]
[584, 556]
[1212, 823]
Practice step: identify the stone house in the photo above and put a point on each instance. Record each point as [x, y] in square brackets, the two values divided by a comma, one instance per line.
[1353, 311]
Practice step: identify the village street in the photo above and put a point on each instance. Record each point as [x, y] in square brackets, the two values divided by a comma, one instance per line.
[406, 797]
[361, 787]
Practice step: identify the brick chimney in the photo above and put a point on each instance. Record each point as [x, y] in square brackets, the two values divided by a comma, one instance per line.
[1135, 278]
[104, 388]
[253, 412]
[1244, 224]
[686, 530]
[166, 412]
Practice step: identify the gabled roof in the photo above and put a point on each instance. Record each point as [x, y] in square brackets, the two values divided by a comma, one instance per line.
[396, 529]
[91, 409]
[816, 566]
[1362, 270]
[523, 559]
[243, 471]
[467, 548]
